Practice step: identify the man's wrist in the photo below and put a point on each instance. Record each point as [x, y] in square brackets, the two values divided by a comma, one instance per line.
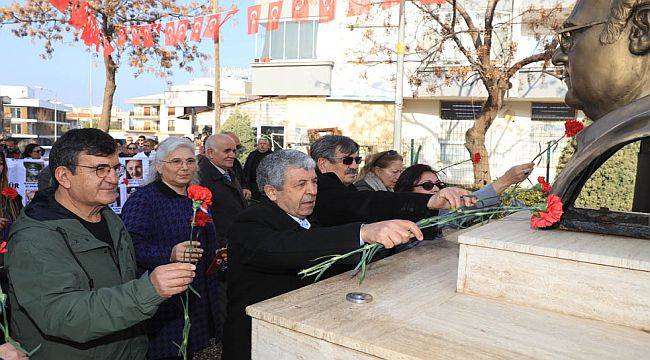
[361, 234]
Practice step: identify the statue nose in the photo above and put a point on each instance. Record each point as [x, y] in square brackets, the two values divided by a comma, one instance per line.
[559, 57]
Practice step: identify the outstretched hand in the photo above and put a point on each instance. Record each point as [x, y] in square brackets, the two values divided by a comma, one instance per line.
[451, 198]
[390, 233]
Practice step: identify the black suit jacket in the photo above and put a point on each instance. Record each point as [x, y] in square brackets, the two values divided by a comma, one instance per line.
[227, 198]
[339, 204]
[267, 249]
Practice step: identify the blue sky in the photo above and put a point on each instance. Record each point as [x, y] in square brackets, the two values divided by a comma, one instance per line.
[69, 71]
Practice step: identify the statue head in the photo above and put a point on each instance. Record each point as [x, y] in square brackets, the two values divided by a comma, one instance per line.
[605, 50]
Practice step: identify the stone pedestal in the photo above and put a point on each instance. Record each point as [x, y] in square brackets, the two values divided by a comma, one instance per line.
[417, 314]
[593, 276]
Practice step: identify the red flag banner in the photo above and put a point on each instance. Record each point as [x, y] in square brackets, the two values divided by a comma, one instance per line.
[300, 10]
[326, 10]
[181, 30]
[254, 19]
[135, 36]
[386, 4]
[212, 28]
[121, 36]
[358, 7]
[425, 2]
[78, 13]
[275, 11]
[197, 27]
[108, 48]
[61, 5]
[170, 34]
[147, 37]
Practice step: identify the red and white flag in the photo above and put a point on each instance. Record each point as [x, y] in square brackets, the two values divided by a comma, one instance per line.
[181, 30]
[135, 36]
[108, 48]
[78, 13]
[170, 34]
[121, 36]
[197, 27]
[254, 19]
[425, 2]
[147, 37]
[358, 7]
[326, 10]
[61, 5]
[212, 28]
[386, 4]
[300, 10]
[275, 11]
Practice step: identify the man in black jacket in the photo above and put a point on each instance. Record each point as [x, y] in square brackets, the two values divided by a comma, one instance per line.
[272, 240]
[253, 161]
[337, 159]
[215, 173]
[237, 168]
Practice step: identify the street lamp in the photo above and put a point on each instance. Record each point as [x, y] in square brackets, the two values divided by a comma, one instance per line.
[54, 101]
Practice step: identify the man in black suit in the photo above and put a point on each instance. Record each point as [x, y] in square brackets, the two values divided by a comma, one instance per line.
[272, 240]
[253, 161]
[215, 173]
[337, 160]
[237, 168]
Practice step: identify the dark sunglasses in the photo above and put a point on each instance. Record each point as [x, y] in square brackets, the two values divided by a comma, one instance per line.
[347, 160]
[132, 148]
[428, 185]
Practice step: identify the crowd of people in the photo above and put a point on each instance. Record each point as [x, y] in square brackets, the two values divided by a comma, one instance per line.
[86, 283]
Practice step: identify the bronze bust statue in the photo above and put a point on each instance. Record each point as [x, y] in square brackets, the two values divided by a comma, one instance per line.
[605, 50]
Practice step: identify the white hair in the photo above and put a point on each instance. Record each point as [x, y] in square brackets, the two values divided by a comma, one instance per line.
[165, 148]
[273, 168]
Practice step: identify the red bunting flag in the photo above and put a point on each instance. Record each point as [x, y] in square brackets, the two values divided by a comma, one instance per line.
[300, 10]
[61, 5]
[121, 36]
[90, 34]
[181, 30]
[170, 33]
[326, 10]
[78, 13]
[386, 4]
[108, 48]
[197, 26]
[135, 36]
[275, 11]
[358, 7]
[425, 2]
[212, 28]
[147, 37]
[253, 19]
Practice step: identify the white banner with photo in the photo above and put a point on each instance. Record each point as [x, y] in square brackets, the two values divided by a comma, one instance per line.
[22, 175]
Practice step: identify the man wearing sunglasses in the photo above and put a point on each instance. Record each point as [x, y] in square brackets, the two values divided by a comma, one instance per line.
[73, 287]
[338, 202]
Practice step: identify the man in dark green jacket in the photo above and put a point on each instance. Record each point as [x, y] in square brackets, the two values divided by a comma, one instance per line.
[71, 264]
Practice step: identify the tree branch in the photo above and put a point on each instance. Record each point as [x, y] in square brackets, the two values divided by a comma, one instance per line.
[543, 56]
[487, 32]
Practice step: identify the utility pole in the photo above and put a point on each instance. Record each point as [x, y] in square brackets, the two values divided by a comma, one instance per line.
[216, 94]
[399, 92]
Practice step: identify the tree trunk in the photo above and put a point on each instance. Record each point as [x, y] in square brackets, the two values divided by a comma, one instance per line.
[475, 136]
[109, 91]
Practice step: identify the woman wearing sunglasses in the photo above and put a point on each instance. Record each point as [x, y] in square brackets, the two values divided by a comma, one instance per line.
[380, 172]
[32, 151]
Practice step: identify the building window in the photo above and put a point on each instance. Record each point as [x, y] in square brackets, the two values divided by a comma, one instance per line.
[171, 111]
[552, 111]
[276, 134]
[460, 110]
[171, 125]
[15, 112]
[292, 40]
[146, 111]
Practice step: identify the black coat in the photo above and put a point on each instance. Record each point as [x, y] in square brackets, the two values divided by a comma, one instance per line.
[267, 249]
[338, 204]
[238, 170]
[250, 171]
[227, 198]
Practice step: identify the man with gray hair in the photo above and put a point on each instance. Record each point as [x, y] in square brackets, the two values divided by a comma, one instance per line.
[337, 160]
[272, 240]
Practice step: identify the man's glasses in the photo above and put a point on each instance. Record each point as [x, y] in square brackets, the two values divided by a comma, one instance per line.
[102, 170]
[348, 160]
[565, 35]
[132, 148]
[177, 163]
[429, 185]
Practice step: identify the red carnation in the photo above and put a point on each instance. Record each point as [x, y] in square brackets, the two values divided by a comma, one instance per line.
[546, 187]
[9, 192]
[3, 247]
[125, 181]
[572, 127]
[201, 219]
[476, 158]
[550, 216]
[200, 194]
